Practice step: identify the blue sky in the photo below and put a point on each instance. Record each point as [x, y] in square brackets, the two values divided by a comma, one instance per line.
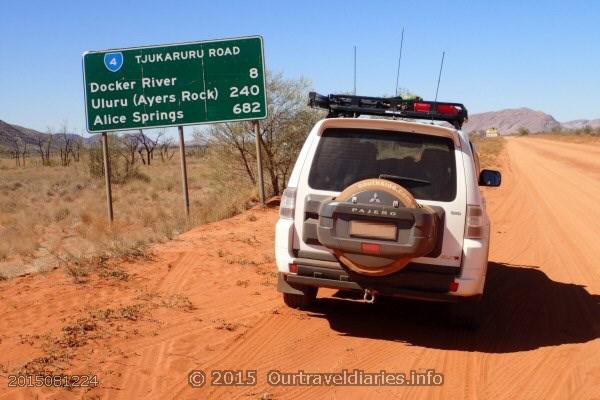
[499, 54]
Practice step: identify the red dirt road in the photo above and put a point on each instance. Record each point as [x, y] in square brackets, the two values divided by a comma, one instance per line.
[208, 301]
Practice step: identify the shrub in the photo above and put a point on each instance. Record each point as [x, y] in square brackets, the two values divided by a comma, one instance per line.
[61, 214]
[121, 168]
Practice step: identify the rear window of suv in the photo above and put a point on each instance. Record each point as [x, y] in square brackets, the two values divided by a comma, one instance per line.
[425, 165]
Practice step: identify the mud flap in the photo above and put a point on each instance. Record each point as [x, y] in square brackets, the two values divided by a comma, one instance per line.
[284, 287]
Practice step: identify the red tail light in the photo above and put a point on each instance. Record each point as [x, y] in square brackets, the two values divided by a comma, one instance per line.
[370, 248]
[453, 287]
[293, 268]
[447, 109]
[422, 107]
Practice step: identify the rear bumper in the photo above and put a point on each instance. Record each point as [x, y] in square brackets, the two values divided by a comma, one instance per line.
[286, 283]
[321, 269]
[416, 281]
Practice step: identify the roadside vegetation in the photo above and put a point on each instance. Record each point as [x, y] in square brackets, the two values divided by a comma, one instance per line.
[281, 135]
[52, 197]
[585, 135]
[57, 215]
[489, 150]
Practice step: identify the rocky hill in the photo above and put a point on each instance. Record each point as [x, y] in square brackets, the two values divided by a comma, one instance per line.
[10, 133]
[509, 121]
[581, 123]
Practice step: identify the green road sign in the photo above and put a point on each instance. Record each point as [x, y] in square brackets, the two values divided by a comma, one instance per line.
[177, 84]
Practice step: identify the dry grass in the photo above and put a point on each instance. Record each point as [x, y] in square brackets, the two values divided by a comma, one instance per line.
[78, 334]
[227, 326]
[178, 302]
[115, 273]
[489, 149]
[570, 137]
[52, 214]
[132, 312]
[60, 349]
[243, 283]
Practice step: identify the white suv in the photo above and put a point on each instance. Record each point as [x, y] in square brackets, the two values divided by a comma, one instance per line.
[388, 207]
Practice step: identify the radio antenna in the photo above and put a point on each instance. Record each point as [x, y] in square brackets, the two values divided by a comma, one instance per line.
[354, 91]
[437, 88]
[399, 61]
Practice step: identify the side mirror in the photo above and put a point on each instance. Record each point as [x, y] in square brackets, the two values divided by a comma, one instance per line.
[489, 177]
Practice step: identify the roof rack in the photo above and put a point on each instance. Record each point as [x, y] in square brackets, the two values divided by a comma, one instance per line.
[342, 105]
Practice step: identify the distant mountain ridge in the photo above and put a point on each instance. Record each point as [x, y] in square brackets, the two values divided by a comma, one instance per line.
[10, 132]
[507, 122]
[581, 123]
[510, 121]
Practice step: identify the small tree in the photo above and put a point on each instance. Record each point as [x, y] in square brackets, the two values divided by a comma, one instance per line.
[44, 144]
[281, 134]
[121, 169]
[233, 143]
[77, 146]
[165, 149]
[66, 146]
[18, 150]
[129, 147]
[523, 131]
[147, 145]
[587, 130]
[24, 151]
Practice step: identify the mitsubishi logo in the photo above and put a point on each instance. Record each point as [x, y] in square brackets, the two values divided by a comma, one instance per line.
[375, 198]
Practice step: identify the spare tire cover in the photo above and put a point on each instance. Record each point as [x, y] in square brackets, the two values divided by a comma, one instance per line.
[380, 192]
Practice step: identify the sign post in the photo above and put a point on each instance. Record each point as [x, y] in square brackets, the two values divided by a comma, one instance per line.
[176, 85]
[106, 163]
[184, 179]
[261, 185]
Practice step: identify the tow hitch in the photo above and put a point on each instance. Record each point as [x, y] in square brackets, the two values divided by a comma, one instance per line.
[369, 296]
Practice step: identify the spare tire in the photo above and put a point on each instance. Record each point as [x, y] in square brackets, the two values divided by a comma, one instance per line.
[375, 227]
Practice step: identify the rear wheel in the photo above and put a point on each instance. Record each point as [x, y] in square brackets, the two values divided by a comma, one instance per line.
[302, 301]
